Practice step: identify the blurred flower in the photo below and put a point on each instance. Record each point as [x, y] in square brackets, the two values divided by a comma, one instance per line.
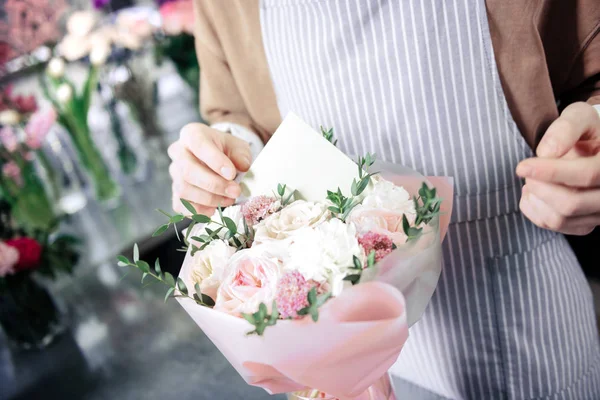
[99, 54]
[8, 258]
[135, 25]
[128, 40]
[56, 68]
[19, 103]
[74, 47]
[25, 104]
[12, 171]
[9, 117]
[38, 127]
[99, 4]
[8, 139]
[30, 253]
[81, 23]
[178, 17]
[64, 93]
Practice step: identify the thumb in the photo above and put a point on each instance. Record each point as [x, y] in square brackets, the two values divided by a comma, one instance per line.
[579, 121]
[238, 151]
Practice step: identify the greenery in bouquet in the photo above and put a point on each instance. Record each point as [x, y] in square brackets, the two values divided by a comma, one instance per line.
[275, 258]
[23, 129]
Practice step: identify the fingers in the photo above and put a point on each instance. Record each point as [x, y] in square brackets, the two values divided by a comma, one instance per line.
[581, 172]
[579, 121]
[546, 217]
[238, 152]
[200, 209]
[566, 201]
[198, 140]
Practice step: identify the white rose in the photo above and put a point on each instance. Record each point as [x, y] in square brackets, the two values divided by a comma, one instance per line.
[9, 117]
[325, 253]
[382, 210]
[80, 23]
[285, 223]
[64, 93]
[251, 278]
[56, 68]
[209, 265]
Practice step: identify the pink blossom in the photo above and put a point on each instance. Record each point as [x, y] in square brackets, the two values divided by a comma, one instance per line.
[382, 244]
[9, 256]
[292, 294]
[257, 208]
[38, 127]
[8, 139]
[178, 17]
[11, 170]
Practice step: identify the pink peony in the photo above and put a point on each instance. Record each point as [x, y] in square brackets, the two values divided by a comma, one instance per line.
[382, 244]
[9, 256]
[258, 208]
[38, 127]
[8, 139]
[292, 294]
[11, 170]
[251, 278]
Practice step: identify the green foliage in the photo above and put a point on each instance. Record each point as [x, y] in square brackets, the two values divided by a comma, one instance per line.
[314, 302]
[281, 191]
[328, 134]
[261, 319]
[427, 207]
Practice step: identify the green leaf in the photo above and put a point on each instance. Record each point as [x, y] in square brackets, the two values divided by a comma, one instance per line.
[177, 218]
[354, 188]
[143, 266]
[274, 313]
[122, 264]
[405, 224]
[169, 279]
[371, 259]
[280, 189]
[230, 225]
[206, 299]
[123, 259]
[312, 296]
[169, 293]
[236, 241]
[166, 214]
[201, 219]
[136, 253]
[323, 298]
[334, 209]
[249, 318]
[314, 313]
[157, 267]
[354, 278]
[262, 311]
[144, 275]
[303, 311]
[188, 206]
[181, 286]
[161, 229]
[357, 263]
[197, 289]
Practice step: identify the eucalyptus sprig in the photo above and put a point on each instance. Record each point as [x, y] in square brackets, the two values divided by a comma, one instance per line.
[356, 272]
[328, 134]
[164, 277]
[427, 207]
[261, 319]
[281, 190]
[314, 302]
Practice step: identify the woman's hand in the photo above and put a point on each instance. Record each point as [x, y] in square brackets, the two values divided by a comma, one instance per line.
[204, 163]
[562, 192]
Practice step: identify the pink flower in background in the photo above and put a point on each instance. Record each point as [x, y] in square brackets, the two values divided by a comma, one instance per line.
[38, 127]
[382, 244]
[178, 17]
[9, 256]
[292, 294]
[8, 139]
[11, 170]
[258, 208]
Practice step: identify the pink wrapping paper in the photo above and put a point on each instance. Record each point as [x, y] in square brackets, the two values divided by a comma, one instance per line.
[359, 334]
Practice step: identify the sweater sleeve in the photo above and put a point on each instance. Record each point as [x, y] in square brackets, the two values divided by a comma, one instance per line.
[220, 98]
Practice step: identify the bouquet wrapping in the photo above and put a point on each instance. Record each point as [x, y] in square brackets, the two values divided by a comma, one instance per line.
[360, 313]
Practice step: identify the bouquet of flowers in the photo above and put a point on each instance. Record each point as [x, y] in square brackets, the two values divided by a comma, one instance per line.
[353, 267]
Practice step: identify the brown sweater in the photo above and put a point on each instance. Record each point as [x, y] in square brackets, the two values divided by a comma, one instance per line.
[547, 51]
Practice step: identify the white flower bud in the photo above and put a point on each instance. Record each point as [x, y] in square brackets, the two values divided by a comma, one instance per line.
[64, 93]
[9, 117]
[56, 68]
[99, 54]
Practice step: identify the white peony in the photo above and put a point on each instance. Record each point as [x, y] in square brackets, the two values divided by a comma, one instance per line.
[209, 266]
[325, 253]
[296, 216]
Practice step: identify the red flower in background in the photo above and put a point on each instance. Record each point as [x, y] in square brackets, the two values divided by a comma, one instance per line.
[30, 253]
[20, 103]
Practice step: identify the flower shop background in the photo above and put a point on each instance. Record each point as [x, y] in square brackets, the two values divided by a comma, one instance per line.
[91, 95]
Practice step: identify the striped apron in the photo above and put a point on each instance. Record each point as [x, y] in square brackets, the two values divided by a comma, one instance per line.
[416, 82]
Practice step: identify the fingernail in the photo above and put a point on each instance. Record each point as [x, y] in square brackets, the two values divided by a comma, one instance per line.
[547, 148]
[227, 173]
[232, 191]
[524, 170]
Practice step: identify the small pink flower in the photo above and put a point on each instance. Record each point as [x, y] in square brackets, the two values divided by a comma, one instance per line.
[9, 256]
[292, 294]
[8, 138]
[11, 170]
[178, 17]
[382, 244]
[38, 127]
[258, 208]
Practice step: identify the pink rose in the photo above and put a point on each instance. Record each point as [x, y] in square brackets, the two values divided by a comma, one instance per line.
[9, 256]
[251, 278]
[38, 127]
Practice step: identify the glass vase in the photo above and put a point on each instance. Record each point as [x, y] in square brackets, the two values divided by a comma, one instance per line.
[31, 206]
[29, 315]
[380, 390]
